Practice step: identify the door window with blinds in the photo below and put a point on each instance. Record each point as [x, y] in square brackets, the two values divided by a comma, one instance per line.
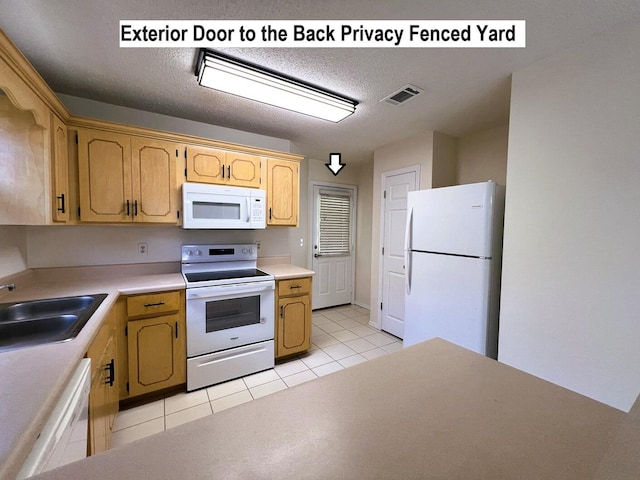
[334, 222]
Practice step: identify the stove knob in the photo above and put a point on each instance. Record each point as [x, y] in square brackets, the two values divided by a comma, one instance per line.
[189, 253]
[198, 253]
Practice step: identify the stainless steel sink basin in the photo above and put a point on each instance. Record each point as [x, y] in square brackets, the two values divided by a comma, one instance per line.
[24, 324]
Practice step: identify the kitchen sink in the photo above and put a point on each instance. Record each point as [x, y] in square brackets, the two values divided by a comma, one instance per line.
[29, 323]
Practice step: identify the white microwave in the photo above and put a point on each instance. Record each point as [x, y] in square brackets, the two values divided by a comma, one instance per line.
[209, 206]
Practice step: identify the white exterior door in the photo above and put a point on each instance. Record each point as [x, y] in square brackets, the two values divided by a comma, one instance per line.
[396, 188]
[332, 251]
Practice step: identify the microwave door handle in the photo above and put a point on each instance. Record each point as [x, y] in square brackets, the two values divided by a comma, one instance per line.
[248, 209]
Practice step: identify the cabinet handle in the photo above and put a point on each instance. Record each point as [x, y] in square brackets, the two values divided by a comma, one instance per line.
[128, 209]
[153, 304]
[110, 367]
[229, 172]
[295, 286]
[135, 208]
[281, 311]
[61, 198]
[222, 171]
[176, 329]
[269, 213]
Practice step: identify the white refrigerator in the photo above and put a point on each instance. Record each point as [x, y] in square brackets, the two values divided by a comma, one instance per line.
[453, 257]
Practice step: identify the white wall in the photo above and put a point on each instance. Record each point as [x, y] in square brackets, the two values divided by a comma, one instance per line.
[115, 113]
[415, 150]
[13, 250]
[570, 309]
[482, 156]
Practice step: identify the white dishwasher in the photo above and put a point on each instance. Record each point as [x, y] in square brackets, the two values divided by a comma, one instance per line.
[64, 437]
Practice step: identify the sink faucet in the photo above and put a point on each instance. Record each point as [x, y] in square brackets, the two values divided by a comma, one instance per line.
[9, 286]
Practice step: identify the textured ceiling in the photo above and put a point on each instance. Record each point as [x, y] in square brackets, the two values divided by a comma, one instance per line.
[74, 46]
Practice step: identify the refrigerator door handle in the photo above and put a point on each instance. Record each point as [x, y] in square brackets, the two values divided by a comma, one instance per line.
[407, 252]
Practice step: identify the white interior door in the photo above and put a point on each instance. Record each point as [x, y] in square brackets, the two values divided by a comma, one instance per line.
[333, 234]
[396, 187]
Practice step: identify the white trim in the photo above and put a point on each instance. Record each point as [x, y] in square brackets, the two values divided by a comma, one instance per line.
[376, 319]
[312, 220]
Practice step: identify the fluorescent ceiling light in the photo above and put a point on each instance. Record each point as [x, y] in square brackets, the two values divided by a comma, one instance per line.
[228, 75]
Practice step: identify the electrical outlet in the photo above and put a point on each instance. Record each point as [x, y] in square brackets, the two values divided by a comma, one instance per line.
[142, 249]
[258, 244]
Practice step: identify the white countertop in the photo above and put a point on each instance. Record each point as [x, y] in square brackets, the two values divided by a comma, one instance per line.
[285, 271]
[33, 378]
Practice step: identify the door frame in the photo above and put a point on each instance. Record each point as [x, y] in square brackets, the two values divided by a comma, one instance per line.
[312, 226]
[383, 181]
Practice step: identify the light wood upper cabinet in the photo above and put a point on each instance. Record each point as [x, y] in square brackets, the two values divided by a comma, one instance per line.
[155, 192]
[123, 178]
[60, 169]
[283, 192]
[211, 165]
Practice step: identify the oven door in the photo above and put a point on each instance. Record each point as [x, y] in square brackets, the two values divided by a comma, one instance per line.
[228, 316]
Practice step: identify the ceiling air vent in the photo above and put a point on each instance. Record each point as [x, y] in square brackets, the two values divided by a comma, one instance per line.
[403, 95]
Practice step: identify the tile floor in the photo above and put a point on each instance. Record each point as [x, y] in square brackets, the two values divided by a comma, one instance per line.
[341, 337]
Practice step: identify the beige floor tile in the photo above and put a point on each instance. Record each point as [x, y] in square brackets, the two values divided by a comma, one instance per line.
[226, 388]
[352, 360]
[267, 388]
[325, 340]
[380, 339]
[136, 432]
[364, 331]
[363, 319]
[181, 401]
[298, 378]
[230, 401]
[316, 358]
[334, 315]
[137, 415]
[330, 327]
[188, 415]
[339, 351]
[318, 319]
[376, 352]
[327, 369]
[348, 323]
[360, 345]
[351, 312]
[344, 335]
[392, 347]
[290, 367]
[260, 378]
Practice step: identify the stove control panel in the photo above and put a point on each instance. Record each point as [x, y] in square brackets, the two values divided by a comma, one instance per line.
[219, 253]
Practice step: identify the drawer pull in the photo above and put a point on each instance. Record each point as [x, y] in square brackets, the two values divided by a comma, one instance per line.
[295, 286]
[153, 304]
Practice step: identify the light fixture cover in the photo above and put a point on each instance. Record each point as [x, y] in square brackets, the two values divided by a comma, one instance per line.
[231, 76]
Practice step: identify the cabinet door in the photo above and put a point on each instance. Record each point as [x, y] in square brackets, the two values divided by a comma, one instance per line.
[60, 167]
[157, 353]
[104, 170]
[294, 325]
[154, 180]
[282, 192]
[206, 165]
[243, 170]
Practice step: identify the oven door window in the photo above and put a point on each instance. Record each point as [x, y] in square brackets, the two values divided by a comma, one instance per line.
[232, 313]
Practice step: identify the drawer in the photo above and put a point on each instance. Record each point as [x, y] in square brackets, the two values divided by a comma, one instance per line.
[294, 286]
[153, 304]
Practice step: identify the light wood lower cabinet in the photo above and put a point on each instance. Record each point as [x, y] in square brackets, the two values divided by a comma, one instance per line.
[156, 342]
[104, 394]
[293, 316]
